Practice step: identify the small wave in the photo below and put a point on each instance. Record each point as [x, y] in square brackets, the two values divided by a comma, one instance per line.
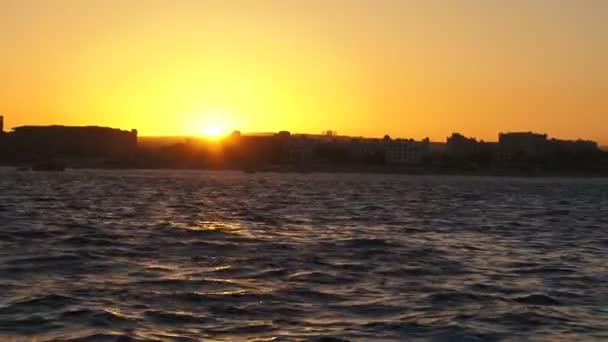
[268, 274]
[105, 337]
[367, 244]
[46, 260]
[198, 284]
[173, 318]
[405, 271]
[377, 310]
[372, 208]
[224, 297]
[307, 295]
[405, 328]
[38, 304]
[44, 199]
[470, 197]
[32, 234]
[493, 288]
[247, 329]
[547, 213]
[34, 324]
[316, 277]
[558, 212]
[237, 310]
[331, 339]
[545, 270]
[460, 297]
[224, 247]
[99, 318]
[83, 241]
[537, 299]
[527, 318]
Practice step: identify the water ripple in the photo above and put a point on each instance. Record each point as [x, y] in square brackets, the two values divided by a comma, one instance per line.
[191, 256]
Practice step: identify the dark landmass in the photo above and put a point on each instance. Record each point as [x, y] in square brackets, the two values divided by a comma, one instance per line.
[514, 154]
[151, 142]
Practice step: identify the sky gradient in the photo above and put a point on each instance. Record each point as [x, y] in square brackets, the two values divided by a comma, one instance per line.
[361, 67]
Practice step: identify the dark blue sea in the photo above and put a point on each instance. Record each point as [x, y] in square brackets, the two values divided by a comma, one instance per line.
[228, 256]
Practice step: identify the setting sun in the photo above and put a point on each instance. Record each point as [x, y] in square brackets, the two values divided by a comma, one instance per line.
[214, 131]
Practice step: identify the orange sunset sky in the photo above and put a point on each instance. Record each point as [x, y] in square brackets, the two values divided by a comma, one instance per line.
[361, 67]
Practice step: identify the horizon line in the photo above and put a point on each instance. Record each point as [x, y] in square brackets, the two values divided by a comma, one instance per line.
[321, 134]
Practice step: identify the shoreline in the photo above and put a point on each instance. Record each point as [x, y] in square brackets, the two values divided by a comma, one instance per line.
[411, 171]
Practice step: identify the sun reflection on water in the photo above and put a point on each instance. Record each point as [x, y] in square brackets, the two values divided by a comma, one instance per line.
[233, 228]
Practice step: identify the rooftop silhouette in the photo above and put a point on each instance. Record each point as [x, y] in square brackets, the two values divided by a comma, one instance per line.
[94, 146]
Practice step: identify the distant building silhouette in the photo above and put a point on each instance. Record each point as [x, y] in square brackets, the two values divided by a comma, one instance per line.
[459, 146]
[29, 143]
[3, 143]
[93, 146]
[301, 148]
[368, 150]
[407, 151]
[574, 146]
[523, 144]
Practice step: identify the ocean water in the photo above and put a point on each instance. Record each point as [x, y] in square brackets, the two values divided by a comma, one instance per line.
[204, 256]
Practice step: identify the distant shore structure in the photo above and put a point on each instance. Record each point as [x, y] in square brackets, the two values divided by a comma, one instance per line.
[77, 142]
[95, 146]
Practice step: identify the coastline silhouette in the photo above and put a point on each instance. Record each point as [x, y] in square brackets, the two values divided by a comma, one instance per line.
[515, 153]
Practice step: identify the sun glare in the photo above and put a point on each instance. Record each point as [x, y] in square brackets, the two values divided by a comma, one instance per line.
[214, 131]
